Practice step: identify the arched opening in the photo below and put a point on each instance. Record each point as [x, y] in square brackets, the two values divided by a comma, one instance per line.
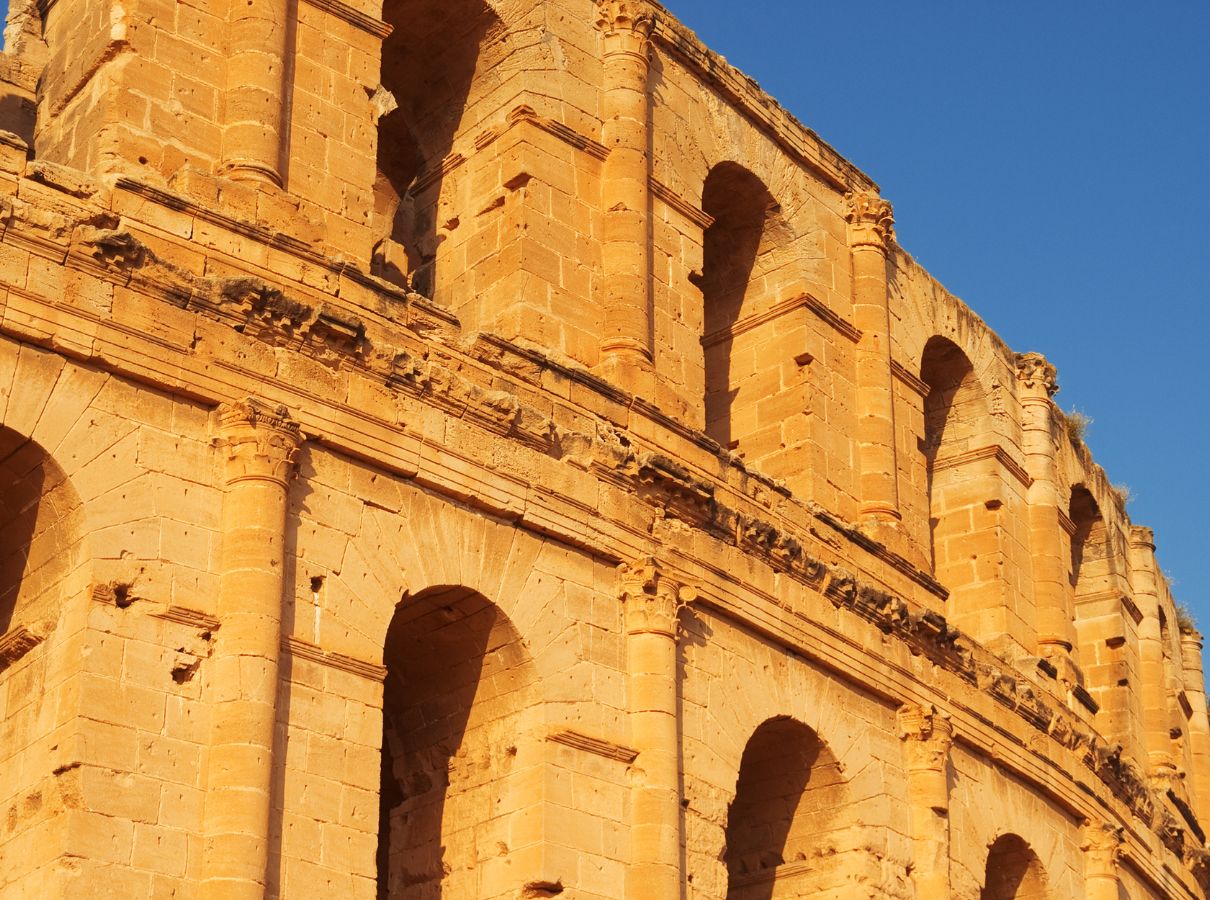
[1014, 872]
[960, 493]
[457, 705]
[39, 529]
[1091, 562]
[782, 826]
[753, 384]
[429, 65]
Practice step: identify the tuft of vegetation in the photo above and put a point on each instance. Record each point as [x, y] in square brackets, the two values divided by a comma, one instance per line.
[1123, 493]
[1185, 620]
[1077, 425]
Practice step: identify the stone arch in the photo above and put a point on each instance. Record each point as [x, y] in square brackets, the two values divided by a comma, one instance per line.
[957, 489]
[431, 67]
[754, 384]
[765, 684]
[1014, 871]
[1091, 560]
[790, 796]
[461, 745]
[41, 532]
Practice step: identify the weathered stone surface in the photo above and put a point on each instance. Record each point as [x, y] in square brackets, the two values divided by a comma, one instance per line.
[475, 449]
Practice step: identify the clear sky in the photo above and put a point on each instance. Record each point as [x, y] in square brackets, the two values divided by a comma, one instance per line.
[1048, 164]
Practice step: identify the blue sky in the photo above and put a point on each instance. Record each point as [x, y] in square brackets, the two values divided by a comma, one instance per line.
[1047, 162]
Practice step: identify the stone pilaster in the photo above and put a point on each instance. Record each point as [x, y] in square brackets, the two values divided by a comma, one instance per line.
[1102, 846]
[260, 444]
[652, 602]
[255, 99]
[626, 346]
[1054, 600]
[1199, 725]
[927, 738]
[1153, 687]
[871, 230]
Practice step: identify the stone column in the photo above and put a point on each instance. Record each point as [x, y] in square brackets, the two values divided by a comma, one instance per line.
[1102, 846]
[260, 444]
[652, 602]
[254, 126]
[1199, 725]
[1144, 574]
[1053, 596]
[928, 737]
[871, 229]
[626, 346]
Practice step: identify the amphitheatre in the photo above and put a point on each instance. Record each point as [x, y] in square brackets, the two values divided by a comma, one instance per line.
[489, 449]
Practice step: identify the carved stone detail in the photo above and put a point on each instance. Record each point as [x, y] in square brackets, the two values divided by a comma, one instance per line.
[1102, 844]
[261, 441]
[928, 736]
[1033, 371]
[871, 220]
[614, 16]
[652, 599]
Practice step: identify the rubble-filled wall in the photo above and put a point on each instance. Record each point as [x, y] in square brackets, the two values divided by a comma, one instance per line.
[473, 448]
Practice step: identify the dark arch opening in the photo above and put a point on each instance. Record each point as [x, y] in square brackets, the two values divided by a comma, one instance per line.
[39, 513]
[742, 252]
[955, 411]
[429, 65]
[459, 682]
[1087, 540]
[1014, 872]
[788, 802]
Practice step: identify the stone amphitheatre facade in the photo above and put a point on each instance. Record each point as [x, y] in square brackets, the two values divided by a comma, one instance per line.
[489, 449]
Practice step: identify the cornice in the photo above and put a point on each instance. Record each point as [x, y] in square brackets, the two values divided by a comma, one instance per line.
[355, 17]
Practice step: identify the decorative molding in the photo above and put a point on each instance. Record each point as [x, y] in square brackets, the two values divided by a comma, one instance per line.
[1103, 845]
[992, 451]
[17, 643]
[808, 301]
[190, 618]
[339, 661]
[354, 17]
[595, 746]
[918, 386]
[1034, 372]
[1132, 609]
[698, 217]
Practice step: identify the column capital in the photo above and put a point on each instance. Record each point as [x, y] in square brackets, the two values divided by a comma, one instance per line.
[1142, 537]
[622, 16]
[261, 441]
[1103, 846]
[871, 220]
[1036, 373]
[652, 599]
[925, 723]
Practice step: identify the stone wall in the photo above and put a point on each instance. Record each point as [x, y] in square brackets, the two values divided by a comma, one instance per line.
[490, 449]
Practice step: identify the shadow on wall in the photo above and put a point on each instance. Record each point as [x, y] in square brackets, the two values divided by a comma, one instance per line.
[745, 256]
[1014, 872]
[429, 65]
[780, 828]
[459, 681]
[37, 530]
